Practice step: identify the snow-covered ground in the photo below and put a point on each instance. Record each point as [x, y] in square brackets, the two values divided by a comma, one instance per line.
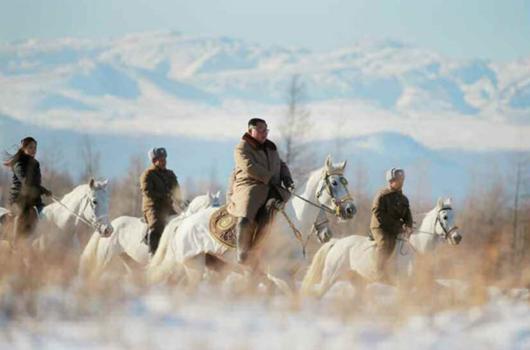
[166, 318]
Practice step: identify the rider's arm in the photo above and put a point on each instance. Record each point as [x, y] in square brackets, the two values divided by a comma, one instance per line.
[245, 162]
[148, 189]
[285, 173]
[408, 216]
[20, 172]
[379, 209]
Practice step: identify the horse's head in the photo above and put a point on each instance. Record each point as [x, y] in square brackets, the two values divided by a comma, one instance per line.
[204, 201]
[96, 209]
[332, 190]
[215, 199]
[445, 226]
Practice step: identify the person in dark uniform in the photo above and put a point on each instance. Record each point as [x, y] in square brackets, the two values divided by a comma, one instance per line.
[391, 215]
[26, 191]
[159, 188]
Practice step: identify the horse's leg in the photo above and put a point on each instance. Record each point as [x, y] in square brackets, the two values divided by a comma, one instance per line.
[216, 269]
[194, 268]
[334, 268]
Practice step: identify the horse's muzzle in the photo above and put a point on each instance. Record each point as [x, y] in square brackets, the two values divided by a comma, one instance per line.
[349, 211]
[456, 238]
[106, 230]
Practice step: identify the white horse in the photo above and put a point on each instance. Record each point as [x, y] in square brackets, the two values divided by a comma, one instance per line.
[65, 222]
[126, 242]
[340, 257]
[279, 253]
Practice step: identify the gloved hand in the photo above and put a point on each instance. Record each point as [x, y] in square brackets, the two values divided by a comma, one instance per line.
[289, 184]
[46, 192]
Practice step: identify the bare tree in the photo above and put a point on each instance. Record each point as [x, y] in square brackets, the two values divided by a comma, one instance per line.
[55, 175]
[4, 186]
[90, 158]
[127, 196]
[520, 195]
[295, 129]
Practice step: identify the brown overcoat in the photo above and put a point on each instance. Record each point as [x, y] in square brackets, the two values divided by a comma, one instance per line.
[390, 211]
[257, 168]
[159, 188]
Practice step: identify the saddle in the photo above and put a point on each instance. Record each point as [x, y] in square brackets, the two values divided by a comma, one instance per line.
[223, 225]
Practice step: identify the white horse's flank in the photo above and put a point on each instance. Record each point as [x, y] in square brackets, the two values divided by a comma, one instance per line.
[127, 239]
[355, 253]
[61, 224]
[280, 253]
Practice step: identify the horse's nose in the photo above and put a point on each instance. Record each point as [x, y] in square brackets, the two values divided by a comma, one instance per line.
[351, 210]
[108, 230]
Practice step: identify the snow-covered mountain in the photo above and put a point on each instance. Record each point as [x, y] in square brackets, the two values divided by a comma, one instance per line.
[431, 172]
[173, 84]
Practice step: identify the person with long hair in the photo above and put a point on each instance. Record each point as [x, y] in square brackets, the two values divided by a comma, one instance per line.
[25, 196]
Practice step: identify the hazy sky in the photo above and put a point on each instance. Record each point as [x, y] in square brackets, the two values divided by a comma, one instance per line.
[498, 30]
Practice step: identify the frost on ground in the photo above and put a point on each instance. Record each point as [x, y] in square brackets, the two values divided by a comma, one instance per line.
[213, 319]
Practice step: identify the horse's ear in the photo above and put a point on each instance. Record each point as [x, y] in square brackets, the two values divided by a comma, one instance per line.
[218, 194]
[329, 163]
[440, 202]
[448, 202]
[92, 183]
[104, 183]
[342, 165]
[209, 194]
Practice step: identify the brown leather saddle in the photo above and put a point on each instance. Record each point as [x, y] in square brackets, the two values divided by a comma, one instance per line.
[223, 225]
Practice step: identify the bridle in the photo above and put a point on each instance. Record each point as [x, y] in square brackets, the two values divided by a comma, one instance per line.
[328, 187]
[95, 224]
[446, 231]
[338, 201]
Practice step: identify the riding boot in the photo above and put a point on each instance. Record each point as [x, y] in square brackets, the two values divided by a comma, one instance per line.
[153, 239]
[243, 239]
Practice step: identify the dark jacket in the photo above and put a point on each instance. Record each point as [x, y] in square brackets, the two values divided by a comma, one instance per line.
[26, 189]
[390, 211]
[159, 187]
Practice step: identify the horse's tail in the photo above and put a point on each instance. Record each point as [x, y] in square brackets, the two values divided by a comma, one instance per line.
[314, 273]
[88, 260]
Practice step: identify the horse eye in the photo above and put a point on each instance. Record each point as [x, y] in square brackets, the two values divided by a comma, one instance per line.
[344, 181]
[445, 217]
[95, 202]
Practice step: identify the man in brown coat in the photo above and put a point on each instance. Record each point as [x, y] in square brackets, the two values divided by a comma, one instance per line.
[390, 216]
[159, 187]
[258, 170]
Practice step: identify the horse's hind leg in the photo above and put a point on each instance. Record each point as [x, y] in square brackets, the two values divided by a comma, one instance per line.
[331, 273]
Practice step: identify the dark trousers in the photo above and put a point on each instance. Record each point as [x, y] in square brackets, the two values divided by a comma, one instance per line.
[26, 219]
[385, 244]
[156, 222]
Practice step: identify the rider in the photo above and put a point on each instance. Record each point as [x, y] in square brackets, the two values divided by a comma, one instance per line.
[26, 189]
[159, 187]
[258, 171]
[390, 216]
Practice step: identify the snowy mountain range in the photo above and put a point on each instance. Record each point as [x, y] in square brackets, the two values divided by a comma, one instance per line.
[392, 103]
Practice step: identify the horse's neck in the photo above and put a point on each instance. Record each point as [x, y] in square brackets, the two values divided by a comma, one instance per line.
[424, 240]
[63, 218]
[301, 212]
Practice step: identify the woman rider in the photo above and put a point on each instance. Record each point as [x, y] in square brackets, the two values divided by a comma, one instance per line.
[26, 189]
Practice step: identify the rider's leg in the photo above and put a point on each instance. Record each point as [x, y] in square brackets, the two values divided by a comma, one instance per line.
[385, 244]
[156, 224]
[244, 238]
[25, 221]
